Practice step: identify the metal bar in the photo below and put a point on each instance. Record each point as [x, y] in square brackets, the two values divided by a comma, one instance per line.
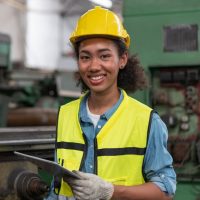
[27, 138]
[31, 141]
[47, 129]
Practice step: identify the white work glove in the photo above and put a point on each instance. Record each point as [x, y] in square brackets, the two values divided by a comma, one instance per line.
[90, 187]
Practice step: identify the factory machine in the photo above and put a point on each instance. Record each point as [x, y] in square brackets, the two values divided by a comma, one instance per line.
[166, 38]
[27, 97]
[29, 102]
[27, 125]
[19, 178]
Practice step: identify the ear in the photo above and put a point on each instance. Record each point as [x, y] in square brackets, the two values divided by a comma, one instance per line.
[123, 60]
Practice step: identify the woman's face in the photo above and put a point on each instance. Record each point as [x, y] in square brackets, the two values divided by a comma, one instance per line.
[99, 64]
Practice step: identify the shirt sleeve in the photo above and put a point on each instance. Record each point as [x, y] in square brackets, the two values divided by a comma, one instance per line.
[158, 161]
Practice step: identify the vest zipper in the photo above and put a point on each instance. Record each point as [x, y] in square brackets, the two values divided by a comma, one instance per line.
[58, 179]
[84, 152]
[95, 156]
[62, 163]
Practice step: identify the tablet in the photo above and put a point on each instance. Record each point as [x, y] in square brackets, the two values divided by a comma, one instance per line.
[51, 167]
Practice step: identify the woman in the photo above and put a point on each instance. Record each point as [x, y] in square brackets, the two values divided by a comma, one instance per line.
[115, 144]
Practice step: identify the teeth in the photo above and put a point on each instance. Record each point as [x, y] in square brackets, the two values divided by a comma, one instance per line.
[96, 77]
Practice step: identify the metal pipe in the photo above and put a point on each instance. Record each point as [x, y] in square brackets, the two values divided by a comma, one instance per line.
[32, 141]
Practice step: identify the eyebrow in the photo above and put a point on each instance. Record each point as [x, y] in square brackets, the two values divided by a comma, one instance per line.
[106, 49]
[100, 50]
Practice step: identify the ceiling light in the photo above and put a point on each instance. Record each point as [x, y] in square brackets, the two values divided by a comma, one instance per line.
[103, 3]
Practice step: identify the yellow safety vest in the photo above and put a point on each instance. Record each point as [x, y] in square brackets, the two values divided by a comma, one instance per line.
[119, 147]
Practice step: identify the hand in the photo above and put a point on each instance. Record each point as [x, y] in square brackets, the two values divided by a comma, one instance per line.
[90, 187]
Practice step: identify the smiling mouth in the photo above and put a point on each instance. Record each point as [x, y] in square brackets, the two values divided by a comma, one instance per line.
[96, 80]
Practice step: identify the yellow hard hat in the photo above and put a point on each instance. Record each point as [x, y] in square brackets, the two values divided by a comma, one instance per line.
[99, 22]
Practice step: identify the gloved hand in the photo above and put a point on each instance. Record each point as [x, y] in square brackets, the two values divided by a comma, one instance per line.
[90, 187]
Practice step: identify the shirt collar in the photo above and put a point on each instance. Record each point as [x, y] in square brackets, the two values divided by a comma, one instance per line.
[83, 111]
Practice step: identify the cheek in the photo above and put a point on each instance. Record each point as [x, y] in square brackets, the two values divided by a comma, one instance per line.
[81, 67]
[83, 73]
[117, 62]
[115, 66]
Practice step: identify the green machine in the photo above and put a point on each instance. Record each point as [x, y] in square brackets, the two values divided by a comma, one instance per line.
[25, 92]
[166, 37]
[5, 64]
[25, 125]
[5, 42]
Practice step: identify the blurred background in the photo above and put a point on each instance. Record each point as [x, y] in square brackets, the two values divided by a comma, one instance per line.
[37, 75]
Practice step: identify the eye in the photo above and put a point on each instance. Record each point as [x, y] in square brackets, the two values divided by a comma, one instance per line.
[105, 56]
[84, 57]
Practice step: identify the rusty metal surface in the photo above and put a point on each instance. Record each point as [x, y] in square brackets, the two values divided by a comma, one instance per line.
[23, 117]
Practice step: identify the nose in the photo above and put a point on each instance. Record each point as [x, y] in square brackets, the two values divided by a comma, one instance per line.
[95, 64]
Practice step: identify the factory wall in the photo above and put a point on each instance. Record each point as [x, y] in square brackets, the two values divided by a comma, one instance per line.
[39, 34]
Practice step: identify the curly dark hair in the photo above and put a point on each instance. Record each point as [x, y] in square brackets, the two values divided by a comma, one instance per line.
[131, 78]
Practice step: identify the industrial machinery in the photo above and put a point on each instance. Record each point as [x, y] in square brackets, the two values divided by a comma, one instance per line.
[22, 96]
[21, 179]
[28, 97]
[29, 101]
[166, 38]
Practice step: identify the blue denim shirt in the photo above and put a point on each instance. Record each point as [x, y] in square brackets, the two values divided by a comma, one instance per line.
[157, 160]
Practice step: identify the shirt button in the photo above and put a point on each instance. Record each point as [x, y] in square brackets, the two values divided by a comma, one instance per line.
[91, 166]
[91, 146]
[99, 126]
[162, 176]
